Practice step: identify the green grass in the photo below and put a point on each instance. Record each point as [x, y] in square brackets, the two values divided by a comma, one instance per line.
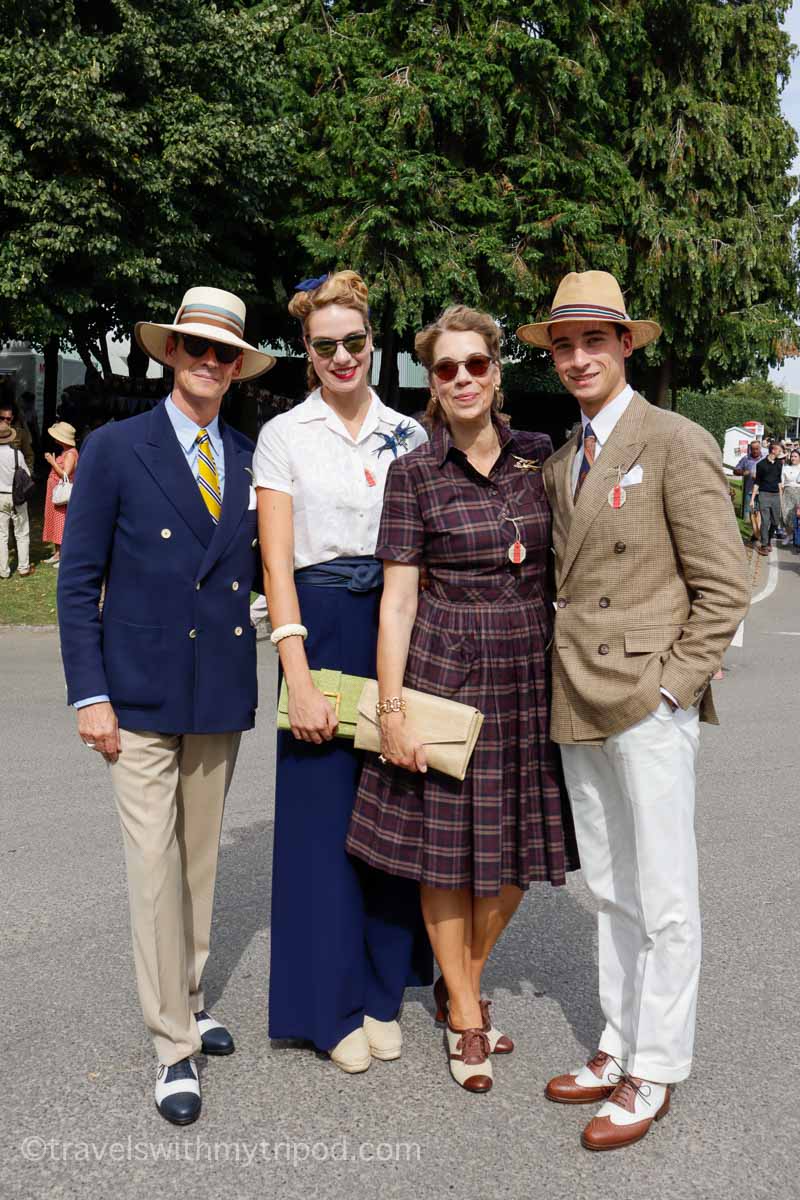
[32, 600]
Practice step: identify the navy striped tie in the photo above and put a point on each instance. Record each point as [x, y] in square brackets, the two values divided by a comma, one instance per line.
[589, 446]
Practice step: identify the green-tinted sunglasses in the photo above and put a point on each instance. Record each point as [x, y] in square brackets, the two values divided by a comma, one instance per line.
[354, 343]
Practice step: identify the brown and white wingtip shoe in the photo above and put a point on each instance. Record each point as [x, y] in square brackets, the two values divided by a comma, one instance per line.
[499, 1043]
[627, 1116]
[594, 1082]
[470, 1058]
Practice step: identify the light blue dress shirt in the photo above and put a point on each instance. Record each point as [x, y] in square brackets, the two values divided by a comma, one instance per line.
[186, 432]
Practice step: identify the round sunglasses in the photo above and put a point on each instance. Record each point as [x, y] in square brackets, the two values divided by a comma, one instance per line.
[354, 343]
[446, 369]
[198, 346]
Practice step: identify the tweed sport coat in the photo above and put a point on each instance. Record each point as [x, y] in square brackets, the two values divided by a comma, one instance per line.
[648, 595]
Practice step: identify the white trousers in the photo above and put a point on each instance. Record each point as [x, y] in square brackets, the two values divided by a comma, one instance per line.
[21, 532]
[633, 802]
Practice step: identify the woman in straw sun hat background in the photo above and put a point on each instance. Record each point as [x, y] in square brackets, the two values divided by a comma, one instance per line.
[61, 464]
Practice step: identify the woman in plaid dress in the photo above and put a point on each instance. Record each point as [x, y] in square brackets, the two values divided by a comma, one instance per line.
[469, 506]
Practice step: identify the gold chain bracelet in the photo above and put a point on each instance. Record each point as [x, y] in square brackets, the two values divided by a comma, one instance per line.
[393, 704]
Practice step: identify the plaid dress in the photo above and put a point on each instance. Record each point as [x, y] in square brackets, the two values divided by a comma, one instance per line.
[480, 637]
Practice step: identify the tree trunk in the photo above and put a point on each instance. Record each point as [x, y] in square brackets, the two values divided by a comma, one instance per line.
[82, 346]
[664, 382]
[102, 354]
[388, 382]
[50, 393]
[137, 360]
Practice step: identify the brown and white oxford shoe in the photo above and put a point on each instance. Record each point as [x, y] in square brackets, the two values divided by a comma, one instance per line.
[593, 1083]
[626, 1117]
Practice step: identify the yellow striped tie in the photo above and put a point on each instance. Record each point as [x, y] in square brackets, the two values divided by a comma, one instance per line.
[207, 475]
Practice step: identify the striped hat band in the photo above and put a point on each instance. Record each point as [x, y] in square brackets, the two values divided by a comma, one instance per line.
[210, 314]
[583, 312]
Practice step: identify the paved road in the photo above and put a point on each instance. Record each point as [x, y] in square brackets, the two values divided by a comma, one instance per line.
[281, 1121]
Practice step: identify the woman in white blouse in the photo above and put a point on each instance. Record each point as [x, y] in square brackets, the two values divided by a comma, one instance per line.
[790, 498]
[346, 939]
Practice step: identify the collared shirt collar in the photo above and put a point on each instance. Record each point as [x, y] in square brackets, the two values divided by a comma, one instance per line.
[442, 441]
[315, 409]
[186, 429]
[603, 424]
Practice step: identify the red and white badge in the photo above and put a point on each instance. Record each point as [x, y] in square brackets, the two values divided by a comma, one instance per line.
[617, 497]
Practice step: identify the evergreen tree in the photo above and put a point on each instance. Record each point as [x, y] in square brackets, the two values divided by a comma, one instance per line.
[449, 153]
[693, 101]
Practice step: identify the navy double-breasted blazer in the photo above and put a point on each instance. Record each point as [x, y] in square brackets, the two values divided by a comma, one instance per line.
[172, 645]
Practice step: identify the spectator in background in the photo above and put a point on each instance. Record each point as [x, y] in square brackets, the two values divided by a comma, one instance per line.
[9, 413]
[10, 459]
[62, 464]
[746, 467]
[767, 490]
[790, 478]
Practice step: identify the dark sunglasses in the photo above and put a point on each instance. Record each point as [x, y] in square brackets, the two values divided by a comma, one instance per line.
[198, 346]
[354, 343]
[447, 368]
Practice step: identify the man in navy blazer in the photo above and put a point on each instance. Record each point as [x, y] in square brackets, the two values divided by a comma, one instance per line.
[162, 667]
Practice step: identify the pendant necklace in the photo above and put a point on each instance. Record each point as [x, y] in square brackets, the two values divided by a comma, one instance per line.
[516, 551]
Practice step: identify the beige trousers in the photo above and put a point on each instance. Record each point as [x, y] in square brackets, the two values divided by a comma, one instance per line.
[170, 792]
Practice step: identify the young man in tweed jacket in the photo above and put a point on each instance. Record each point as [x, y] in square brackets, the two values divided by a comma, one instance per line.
[651, 584]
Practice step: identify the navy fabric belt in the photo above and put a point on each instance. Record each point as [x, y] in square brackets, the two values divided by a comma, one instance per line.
[356, 574]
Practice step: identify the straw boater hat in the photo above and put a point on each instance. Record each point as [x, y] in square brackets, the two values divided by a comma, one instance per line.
[63, 432]
[588, 296]
[210, 313]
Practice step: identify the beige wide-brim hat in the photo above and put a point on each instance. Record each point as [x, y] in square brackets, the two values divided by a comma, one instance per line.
[588, 296]
[210, 313]
[63, 432]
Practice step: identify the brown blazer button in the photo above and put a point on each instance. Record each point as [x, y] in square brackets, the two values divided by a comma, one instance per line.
[605, 602]
[619, 547]
[603, 648]
[562, 603]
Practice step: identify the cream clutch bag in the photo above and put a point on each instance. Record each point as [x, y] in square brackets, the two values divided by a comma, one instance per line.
[448, 729]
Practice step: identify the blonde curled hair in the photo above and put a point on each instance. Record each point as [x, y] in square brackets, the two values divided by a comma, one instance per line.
[342, 287]
[457, 319]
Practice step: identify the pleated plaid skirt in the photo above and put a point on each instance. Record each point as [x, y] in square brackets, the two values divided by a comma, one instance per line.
[509, 822]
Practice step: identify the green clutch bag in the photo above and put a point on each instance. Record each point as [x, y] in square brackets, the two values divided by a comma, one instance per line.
[344, 693]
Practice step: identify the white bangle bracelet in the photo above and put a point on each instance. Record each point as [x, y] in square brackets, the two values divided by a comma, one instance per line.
[284, 631]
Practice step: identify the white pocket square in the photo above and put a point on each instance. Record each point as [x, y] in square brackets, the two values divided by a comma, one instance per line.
[252, 500]
[634, 476]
